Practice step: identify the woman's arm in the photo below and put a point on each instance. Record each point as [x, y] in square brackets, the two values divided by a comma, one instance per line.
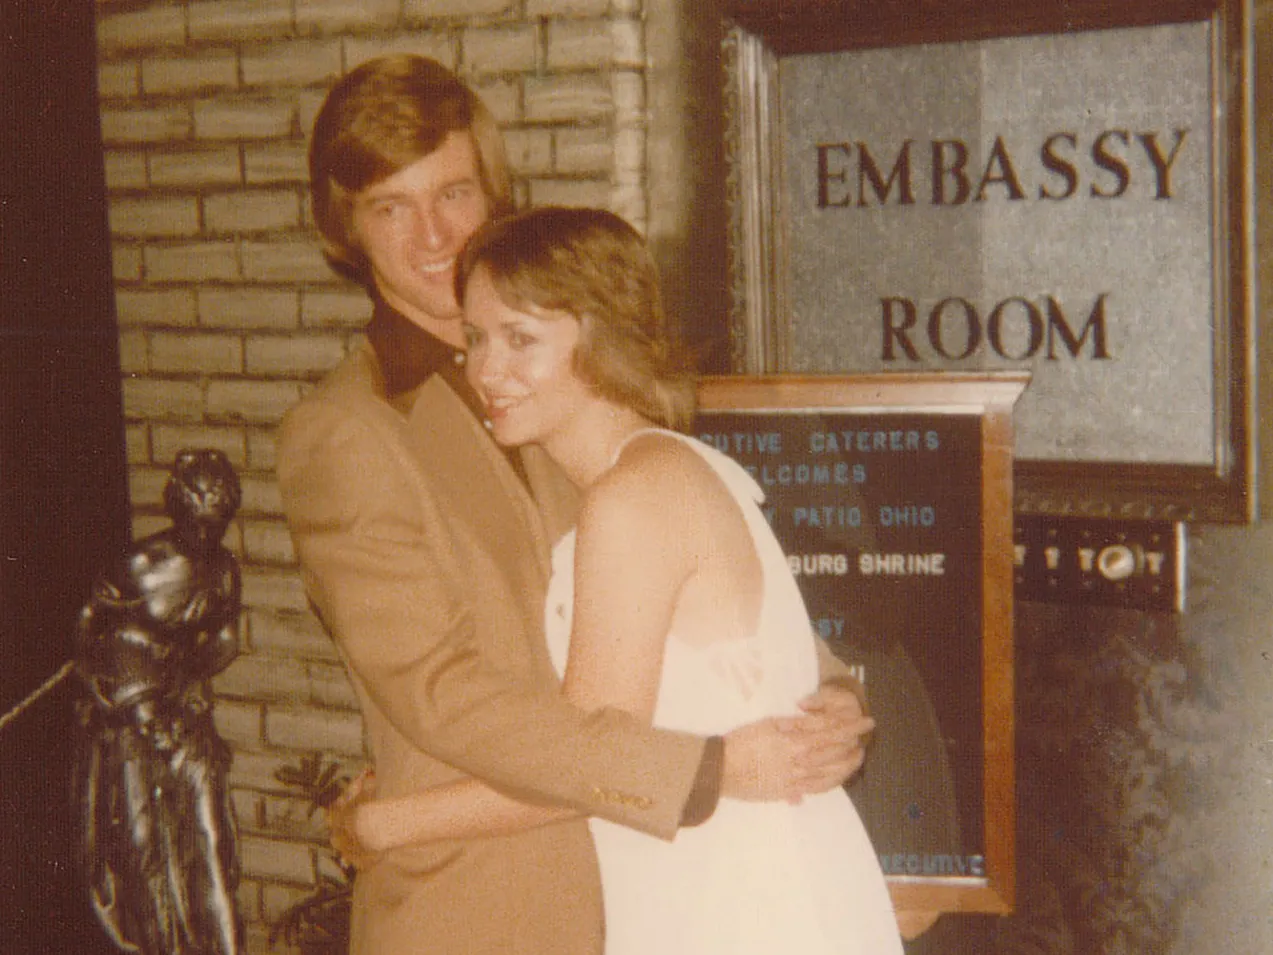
[635, 549]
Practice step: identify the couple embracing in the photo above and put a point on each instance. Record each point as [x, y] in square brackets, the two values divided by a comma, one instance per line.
[598, 715]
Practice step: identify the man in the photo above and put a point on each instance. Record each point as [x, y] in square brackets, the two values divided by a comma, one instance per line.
[425, 551]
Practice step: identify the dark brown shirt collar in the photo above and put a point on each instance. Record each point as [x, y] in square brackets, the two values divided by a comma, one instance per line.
[406, 353]
[409, 356]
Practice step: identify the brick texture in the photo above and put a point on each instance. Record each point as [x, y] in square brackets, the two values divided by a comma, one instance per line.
[331, 16]
[228, 311]
[124, 171]
[196, 168]
[174, 75]
[156, 26]
[501, 49]
[117, 80]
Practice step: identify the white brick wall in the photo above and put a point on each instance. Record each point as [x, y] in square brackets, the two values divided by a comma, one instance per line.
[191, 262]
[331, 16]
[155, 306]
[228, 312]
[237, 20]
[125, 262]
[576, 8]
[157, 26]
[117, 79]
[154, 217]
[501, 49]
[174, 75]
[146, 125]
[247, 308]
[255, 210]
[435, 9]
[204, 167]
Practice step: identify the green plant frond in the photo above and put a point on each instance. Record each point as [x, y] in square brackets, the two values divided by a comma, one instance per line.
[317, 924]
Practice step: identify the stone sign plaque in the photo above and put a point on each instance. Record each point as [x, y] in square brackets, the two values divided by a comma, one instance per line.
[1057, 203]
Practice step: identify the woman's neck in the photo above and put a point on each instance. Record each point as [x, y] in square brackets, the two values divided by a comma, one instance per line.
[587, 449]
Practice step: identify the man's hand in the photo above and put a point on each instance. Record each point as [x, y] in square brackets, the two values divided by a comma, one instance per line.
[787, 758]
[342, 821]
[838, 729]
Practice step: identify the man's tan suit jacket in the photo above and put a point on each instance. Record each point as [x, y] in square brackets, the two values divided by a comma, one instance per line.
[427, 560]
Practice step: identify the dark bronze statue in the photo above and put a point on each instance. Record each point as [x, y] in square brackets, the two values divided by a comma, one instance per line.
[159, 828]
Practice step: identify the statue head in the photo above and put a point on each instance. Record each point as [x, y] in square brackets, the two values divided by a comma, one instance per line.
[202, 495]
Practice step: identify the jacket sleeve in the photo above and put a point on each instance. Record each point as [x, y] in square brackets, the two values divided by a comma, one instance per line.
[407, 631]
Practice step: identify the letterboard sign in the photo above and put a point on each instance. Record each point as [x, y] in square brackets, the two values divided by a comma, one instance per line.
[892, 500]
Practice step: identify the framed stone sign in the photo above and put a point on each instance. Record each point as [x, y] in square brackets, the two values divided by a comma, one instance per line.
[892, 497]
[1058, 187]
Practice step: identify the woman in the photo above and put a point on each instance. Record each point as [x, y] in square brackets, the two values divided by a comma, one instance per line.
[671, 599]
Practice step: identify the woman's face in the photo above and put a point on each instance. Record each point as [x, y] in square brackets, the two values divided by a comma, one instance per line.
[521, 365]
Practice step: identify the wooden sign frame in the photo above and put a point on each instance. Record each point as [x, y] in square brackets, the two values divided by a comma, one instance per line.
[783, 405]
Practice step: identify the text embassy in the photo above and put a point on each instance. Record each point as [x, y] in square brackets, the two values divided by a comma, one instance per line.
[1110, 166]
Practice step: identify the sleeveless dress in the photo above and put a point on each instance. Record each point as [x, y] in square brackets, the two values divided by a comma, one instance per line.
[756, 878]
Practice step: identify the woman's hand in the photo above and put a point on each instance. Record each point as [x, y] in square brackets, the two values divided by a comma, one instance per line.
[342, 818]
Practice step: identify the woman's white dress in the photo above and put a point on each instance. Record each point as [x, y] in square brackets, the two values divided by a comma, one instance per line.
[757, 878]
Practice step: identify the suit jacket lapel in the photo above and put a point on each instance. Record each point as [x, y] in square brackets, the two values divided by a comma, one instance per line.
[498, 501]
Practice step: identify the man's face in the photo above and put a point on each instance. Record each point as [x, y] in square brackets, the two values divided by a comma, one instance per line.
[412, 226]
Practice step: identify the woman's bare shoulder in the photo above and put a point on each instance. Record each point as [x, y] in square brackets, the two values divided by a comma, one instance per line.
[651, 512]
[658, 478]
[661, 463]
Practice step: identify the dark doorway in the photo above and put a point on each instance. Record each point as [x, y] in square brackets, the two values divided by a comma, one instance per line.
[63, 493]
